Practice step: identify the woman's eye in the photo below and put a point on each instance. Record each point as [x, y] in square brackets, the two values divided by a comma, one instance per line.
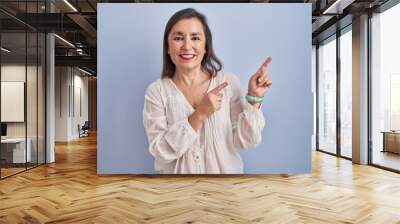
[195, 38]
[178, 38]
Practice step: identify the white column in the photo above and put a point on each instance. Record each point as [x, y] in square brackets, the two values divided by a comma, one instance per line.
[50, 92]
[50, 110]
[360, 90]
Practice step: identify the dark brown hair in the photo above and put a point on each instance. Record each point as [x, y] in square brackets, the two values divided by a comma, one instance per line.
[210, 62]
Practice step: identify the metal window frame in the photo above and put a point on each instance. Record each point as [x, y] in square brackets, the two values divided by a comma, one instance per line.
[339, 32]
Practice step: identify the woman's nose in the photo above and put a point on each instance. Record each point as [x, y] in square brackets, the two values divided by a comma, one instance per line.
[186, 44]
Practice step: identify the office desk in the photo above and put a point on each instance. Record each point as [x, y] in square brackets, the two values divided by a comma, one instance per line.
[15, 148]
[391, 141]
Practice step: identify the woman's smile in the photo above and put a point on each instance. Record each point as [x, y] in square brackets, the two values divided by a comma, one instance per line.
[187, 57]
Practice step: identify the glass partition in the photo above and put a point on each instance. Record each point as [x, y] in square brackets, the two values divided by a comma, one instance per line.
[22, 101]
[32, 95]
[327, 95]
[13, 109]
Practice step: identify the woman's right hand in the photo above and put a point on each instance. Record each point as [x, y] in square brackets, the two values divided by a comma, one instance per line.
[211, 101]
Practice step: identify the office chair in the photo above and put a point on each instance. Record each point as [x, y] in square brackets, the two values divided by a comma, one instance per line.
[84, 130]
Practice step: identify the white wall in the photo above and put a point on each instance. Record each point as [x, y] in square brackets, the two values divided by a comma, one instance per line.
[62, 81]
[12, 73]
[70, 83]
[79, 112]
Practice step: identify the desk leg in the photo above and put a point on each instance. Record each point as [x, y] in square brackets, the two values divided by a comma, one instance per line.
[384, 142]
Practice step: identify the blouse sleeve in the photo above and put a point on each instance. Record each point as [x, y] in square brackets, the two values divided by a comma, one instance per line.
[166, 142]
[247, 121]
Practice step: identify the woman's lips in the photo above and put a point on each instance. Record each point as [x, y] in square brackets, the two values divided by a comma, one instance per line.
[187, 57]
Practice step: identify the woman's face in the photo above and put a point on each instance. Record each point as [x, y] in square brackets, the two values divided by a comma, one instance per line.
[187, 44]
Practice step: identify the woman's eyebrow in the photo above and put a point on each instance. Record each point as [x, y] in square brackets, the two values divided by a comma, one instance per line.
[177, 33]
[181, 33]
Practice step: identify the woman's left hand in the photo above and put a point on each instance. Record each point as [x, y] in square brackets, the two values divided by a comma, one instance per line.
[260, 82]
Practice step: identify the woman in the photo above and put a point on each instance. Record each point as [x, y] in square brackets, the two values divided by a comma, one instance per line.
[195, 116]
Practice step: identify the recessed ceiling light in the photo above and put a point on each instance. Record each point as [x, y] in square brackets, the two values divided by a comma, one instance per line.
[84, 71]
[338, 6]
[5, 50]
[64, 40]
[70, 5]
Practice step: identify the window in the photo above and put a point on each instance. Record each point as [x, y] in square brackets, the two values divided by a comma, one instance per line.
[346, 92]
[327, 95]
[385, 88]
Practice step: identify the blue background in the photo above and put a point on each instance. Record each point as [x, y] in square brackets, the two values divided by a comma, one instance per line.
[130, 58]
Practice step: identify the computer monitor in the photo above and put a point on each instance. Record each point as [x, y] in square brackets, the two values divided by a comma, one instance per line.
[3, 129]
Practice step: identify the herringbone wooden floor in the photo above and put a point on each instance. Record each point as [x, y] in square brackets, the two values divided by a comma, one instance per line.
[70, 191]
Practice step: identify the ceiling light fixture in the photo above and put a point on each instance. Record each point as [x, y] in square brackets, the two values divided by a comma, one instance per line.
[86, 72]
[70, 5]
[64, 40]
[5, 50]
[337, 7]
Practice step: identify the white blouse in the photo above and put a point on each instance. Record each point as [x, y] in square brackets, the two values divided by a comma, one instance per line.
[179, 149]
